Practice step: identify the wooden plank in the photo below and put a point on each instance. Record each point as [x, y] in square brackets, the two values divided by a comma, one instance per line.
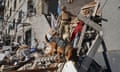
[89, 5]
[81, 39]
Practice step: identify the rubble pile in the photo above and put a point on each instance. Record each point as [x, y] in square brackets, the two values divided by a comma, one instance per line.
[69, 38]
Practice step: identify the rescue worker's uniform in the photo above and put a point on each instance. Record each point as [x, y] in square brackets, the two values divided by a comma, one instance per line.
[65, 18]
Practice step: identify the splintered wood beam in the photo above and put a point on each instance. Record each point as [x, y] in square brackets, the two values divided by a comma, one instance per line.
[96, 8]
[90, 23]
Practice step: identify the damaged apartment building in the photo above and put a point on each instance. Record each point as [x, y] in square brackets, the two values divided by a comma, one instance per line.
[23, 19]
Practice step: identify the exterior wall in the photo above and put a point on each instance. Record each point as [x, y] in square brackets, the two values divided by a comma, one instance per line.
[20, 5]
[112, 28]
[40, 26]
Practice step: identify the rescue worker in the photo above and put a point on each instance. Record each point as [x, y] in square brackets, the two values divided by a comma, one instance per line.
[64, 18]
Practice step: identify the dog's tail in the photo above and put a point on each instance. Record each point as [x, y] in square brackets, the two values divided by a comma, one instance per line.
[46, 38]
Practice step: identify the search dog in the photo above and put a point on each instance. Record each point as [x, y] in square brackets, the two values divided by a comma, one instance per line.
[61, 46]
